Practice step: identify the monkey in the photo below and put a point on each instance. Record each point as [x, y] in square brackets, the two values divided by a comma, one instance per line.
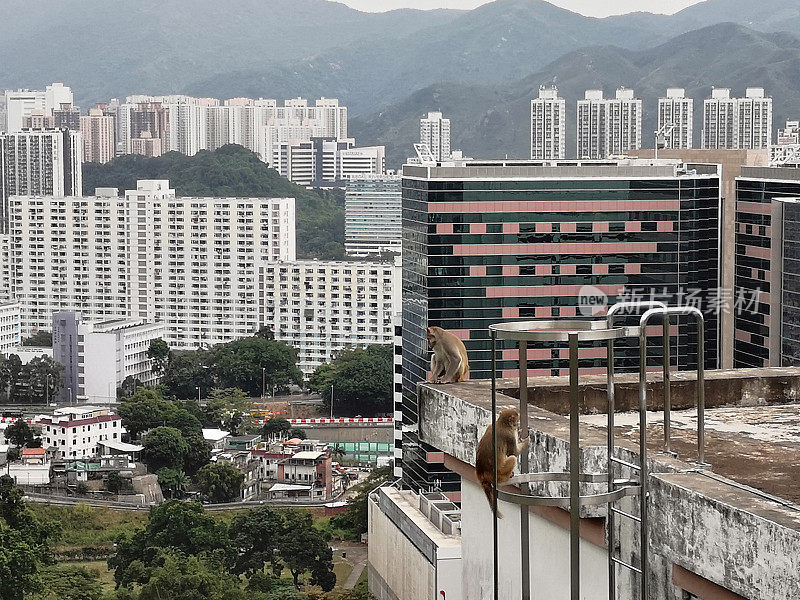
[508, 447]
[449, 363]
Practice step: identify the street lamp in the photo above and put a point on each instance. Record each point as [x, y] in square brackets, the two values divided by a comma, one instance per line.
[331, 401]
[197, 387]
[69, 395]
[263, 381]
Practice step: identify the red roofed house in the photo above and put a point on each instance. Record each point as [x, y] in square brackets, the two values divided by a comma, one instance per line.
[34, 456]
[76, 430]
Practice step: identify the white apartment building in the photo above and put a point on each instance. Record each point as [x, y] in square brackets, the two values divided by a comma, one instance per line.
[146, 145]
[10, 332]
[99, 355]
[789, 135]
[21, 103]
[373, 215]
[69, 254]
[608, 127]
[76, 430]
[322, 307]
[187, 124]
[323, 162]
[737, 123]
[189, 263]
[754, 116]
[194, 261]
[39, 162]
[434, 132]
[677, 111]
[97, 130]
[548, 125]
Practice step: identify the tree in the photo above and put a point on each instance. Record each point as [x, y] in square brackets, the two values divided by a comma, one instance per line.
[302, 549]
[198, 454]
[40, 339]
[187, 370]
[44, 376]
[182, 577]
[219, 481]
[172, 526]
[255, 536]
[164, 447]
[159, 353]
[69, 582]
[240, 364]
[20, 434]
[354, 520]
[114, 482]
[144, 410]
[229, 409]
[24, 544]
[173, 482]
[265, 332]
[361, 380]
[129, 387]
[276, 427]
[184, 421]
[296, 432]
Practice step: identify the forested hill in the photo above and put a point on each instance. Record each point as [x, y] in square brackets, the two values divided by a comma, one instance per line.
[232, 171]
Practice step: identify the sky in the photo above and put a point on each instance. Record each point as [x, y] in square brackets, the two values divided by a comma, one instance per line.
[593, 8]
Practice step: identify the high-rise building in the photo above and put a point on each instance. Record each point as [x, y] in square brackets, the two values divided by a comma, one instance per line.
[39, 162]
[754, 120]
[789, 134]
[548, 124]
[69, 253]
[146, 145]
[189, 263]
[373, 215]
[322, 307]
[740, 123]
[485, 243]
[325, 162]
[98, 356]
[97, 130]
[20, 103]
[608, 127]
[67, 116]
[766, 250]
[434, 132]
[676, 111]
[10, 332]
[194, 261]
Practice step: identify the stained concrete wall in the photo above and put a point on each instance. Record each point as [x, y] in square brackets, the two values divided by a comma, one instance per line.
[735, 539]
[549, 559]
[403, 571]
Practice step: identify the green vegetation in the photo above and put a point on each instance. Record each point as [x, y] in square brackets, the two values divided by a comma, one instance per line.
[22, 435]
[32, 383]
[233, 171]
[361, 379]
[219, 482]
[353, 523]
[25, 544]
[184, 552]
[40, 339]
[243, 363]
[69, 582]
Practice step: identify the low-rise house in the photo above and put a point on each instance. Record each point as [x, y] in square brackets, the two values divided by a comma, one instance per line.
[4, 453]
[34, 456]
[249, 466]
[116, 454]
[242, 442]
[216, 437]
[310, 468]
[76, 430]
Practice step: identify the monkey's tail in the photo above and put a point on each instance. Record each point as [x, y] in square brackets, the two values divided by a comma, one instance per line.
[489, 491]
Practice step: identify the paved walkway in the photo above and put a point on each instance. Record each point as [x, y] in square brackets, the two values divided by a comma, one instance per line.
[355, 575]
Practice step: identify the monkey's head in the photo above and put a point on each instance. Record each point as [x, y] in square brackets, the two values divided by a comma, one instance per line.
[509, 417]
[433, 334]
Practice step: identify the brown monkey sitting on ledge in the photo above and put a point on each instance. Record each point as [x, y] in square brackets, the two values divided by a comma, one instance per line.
[508, 447]
[449, 362]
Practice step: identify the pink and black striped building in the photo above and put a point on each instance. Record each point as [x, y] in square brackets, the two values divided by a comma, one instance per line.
[492, 241]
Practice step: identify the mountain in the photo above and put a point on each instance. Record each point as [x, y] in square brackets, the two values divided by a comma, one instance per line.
[492, 121]
[233, 171]
[105, 48]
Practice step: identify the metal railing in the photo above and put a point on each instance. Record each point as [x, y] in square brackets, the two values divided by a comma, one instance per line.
[573, 333]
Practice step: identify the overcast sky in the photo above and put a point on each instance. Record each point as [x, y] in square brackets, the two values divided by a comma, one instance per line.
[594, 8]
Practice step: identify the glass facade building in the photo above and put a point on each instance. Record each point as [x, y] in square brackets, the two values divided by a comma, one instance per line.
[486, 242]
[759, 264]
